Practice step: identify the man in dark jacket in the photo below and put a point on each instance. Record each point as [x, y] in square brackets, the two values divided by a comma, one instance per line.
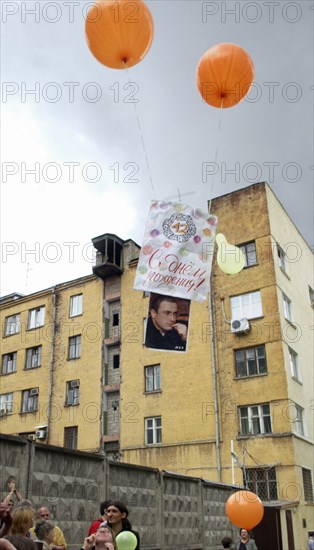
[162, 331]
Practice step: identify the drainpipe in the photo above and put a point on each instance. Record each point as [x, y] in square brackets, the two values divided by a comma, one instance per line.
[216, 412]
[52, 358]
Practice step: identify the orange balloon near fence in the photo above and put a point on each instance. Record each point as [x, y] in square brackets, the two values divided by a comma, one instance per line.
[224, 75]
[244, 509]
[119, 33]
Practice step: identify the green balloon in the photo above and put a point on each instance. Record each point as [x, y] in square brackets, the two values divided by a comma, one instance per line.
[126, 540]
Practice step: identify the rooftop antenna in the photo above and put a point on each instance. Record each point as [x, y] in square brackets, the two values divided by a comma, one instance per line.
[179, 195]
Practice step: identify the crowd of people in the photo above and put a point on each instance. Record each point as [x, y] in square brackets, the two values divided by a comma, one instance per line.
[24, 528]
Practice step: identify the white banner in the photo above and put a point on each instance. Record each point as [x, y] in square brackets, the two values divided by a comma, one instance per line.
[177, 251]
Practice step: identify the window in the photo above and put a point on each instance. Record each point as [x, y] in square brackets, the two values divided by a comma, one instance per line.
[307, 485]
[153, 430]
[30, 400]
[6, 403]
[33, 357]
[73, 392]
[262, 482]
[116, 361]
[70, 437]
[12, 325]
[287, 308]
[281, 258]
[152, 378]
[115, 318]
[75, 347]
[36, 317]
[299, 420]
[9, 363]
[293, 356]
[76, 305]
[311, 294]
[255, 419]
[250, 361]
[249, 253]
[246, 305]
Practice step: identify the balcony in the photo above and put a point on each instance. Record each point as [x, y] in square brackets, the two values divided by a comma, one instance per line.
[109, 256]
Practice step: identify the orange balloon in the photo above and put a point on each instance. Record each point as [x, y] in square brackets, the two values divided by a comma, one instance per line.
[119, 33]
[244, 509]
[224, 75]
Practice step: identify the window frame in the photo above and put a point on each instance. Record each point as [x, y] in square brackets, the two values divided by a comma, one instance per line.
[70, 434]
[39, 317]
[299, 421]
[155, 377]
[5, 362]
[287, 308]
[77, 346]
[246, 252]
[72, 390]
[6, 405]
[251, 418]
[244, 313]
[11, 324]
[307, 485]
[247, 359]
[263, 487]
[281, 259]
[76, 305]
[33, 399]
[29, 357]
[154, 429]
[294, 364]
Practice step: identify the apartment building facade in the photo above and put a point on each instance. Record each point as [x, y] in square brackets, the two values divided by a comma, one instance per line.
[237, 407]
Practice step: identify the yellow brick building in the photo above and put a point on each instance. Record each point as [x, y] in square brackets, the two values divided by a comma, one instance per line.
[236, 408]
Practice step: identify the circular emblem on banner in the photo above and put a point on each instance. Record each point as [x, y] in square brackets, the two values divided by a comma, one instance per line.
[179, 227]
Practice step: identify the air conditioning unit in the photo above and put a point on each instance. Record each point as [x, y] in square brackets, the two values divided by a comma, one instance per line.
[240, 325]
[40, 434]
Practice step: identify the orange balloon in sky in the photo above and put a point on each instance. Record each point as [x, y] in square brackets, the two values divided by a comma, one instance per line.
[119, 33]
[244, 509]
[224, 75]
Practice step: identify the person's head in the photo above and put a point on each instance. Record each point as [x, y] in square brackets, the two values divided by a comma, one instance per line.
[104, 534]
[44, 530]
[311, 533]
[226, 542]
[20, 542]
[10, 503]
[103, 507]
[26, 504]
[11, 483]
[164, 312]
[117, 513]
[244, 534]
[23, 520]
[43, 513]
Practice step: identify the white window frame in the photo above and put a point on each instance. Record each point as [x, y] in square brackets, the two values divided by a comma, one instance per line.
[281, 255]
[311, 294]
[251, 417]
[36, 317]
[29, 400]
[249, 262]
[12, 324]
[76, 305]
[287, 308]
[294, 364]
[75, 343]
[153, 427]
[33, 357]
[9, 361]
[152, 378]
[250, 310]
[299, 420]
[6, 403]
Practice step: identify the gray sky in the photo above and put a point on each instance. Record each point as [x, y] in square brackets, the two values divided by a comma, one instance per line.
[74, 123]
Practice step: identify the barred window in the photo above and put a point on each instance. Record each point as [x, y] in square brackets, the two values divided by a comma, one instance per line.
[263, 482]
[307, 485]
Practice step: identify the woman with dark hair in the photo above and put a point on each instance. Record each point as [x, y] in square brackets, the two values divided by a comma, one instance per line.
[117, 519]
[245, 542]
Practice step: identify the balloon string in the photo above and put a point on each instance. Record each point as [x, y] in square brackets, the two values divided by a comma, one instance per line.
[216, 157]
[141, 135]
